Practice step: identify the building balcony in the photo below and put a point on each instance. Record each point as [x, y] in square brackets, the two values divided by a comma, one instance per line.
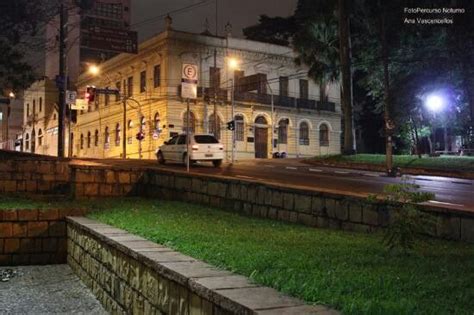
[278, 100]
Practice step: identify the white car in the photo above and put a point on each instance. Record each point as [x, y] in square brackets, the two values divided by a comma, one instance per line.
[203, 148]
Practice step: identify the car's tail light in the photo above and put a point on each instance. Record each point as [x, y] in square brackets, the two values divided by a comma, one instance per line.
[195, 147]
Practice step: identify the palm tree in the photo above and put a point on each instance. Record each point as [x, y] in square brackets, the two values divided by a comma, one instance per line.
[317, 47]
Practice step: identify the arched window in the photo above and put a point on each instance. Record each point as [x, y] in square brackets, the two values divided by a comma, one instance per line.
[34, 107]
[156, 121]
[81, 145]
[130, 124]
[89, 139]
[106, 137]
[27, 109]
[142, 124]
[323, 135]
[239, 128]
[215, 128]
[33, 141]
[96, 138]
[117, 135]
[304, 133]
[40, 104]
[40, 137]
[192, 122]
[27, 141]
[283, 131]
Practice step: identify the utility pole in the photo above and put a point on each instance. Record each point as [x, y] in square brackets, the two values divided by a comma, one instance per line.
[62, 80]
[124, 130]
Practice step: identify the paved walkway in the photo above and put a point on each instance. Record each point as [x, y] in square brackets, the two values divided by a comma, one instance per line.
[52, 289]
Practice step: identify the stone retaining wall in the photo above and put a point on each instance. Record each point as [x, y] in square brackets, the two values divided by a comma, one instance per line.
[293, 204]
[35, 176]
[129, 274]
[33, 237]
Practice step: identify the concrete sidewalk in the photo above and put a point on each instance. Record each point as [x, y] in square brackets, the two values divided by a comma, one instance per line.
[52, 289]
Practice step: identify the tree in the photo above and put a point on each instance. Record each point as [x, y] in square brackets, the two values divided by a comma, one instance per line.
[313, 32]
[19, 18]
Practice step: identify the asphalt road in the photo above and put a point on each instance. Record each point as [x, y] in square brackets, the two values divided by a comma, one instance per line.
[449, 192]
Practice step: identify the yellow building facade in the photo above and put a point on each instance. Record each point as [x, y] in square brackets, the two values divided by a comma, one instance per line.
[150, 86]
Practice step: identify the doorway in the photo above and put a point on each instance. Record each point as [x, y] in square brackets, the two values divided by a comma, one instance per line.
[261, 138]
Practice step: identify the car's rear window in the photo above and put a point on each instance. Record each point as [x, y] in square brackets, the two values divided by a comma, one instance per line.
[205, 139]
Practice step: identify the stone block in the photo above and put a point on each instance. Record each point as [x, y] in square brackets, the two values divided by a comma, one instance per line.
[84, 176]
[307, 219]
[318, 205]
[20, 229]
[247, 208]
[27, 215]
[303, 203]
[91, 189]
[260, 195]
[124, 178]
[9, 185]
[277, 199]
[195, 305]
[448, 227]
[342, 210]
[272, 213]
[183, 183]
[106, 190]
[39, 228]
[49, 245]
[243, 192]
[30, 245]
[355, 212]
[48, 215]
[467, 230]
[57, 228]
[370, 215]
[12, 245]
[31, 186]
[331, 206]
[293, 216]
[284, 215]
[6, 230]
[8, 215]
[288, 201]
[20, 260]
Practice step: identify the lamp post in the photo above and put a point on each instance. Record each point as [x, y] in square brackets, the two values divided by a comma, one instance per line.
[435, 103]
[233, 65]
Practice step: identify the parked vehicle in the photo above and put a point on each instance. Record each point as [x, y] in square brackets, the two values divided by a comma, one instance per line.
[203, 147]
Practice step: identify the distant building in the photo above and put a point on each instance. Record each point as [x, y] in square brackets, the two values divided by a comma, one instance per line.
[106, 13]
[40, 128]
[39, 109]
[151, 81]
[11, 119]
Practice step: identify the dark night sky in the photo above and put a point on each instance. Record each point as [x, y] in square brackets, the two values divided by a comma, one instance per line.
[240, 13]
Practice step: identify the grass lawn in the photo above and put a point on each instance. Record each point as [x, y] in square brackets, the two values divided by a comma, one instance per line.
[457, 163]
[348, 271]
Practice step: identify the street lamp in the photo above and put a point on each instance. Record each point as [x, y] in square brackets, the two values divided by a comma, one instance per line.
[233, 64]
[435, 103]
[93, 69]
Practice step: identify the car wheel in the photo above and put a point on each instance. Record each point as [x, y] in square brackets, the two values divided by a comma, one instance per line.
[161, 158]
[217, 163]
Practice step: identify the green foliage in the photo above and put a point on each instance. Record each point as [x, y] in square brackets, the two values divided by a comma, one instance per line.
[445, 163]
[349, 271]
[409, 225]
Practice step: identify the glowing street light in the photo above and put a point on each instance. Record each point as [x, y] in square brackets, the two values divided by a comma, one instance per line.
[233, 63]
[434, 103]
[93, 69]
[11, 95]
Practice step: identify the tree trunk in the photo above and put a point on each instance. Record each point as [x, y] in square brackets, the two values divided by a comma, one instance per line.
[417, 139]
[386, 95]
[346, 87]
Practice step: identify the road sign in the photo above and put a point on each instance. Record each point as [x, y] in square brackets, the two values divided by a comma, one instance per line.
[189, 81]
[81, 104]
[71, 97]
[116, 40]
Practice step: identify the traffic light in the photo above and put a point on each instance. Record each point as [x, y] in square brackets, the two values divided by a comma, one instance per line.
[140, 136]
[90, 94]
[231, 125]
